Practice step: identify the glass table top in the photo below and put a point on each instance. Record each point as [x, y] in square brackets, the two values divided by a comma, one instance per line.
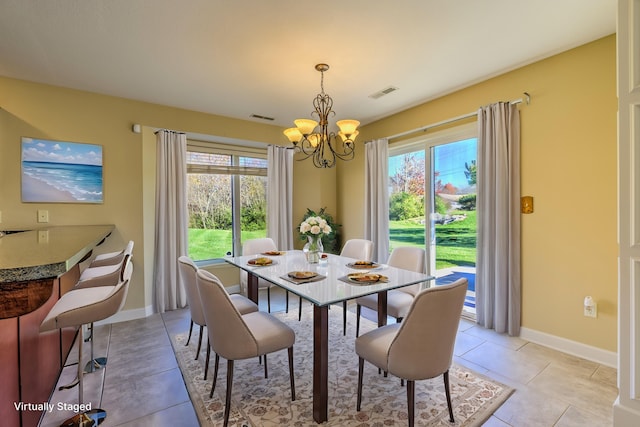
[332, 284]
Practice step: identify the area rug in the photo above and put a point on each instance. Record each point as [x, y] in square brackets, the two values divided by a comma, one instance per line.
[257, 401]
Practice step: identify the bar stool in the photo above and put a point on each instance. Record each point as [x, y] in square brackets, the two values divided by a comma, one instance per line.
[102, 273]
[111, 258]
[79, 307]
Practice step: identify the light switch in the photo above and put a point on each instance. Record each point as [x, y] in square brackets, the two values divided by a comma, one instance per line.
[526, 204]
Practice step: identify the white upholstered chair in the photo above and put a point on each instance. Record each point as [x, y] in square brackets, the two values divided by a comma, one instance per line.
[80, 307]
[235, 336]
[112, 258]
[361, 250]
[188, 273]
[398, 300]
[419, 348]
[106, 270]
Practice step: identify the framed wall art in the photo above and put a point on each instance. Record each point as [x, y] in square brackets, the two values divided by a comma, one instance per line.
[61, 172]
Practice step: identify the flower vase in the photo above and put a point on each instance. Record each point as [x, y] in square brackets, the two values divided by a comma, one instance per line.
[313, 249]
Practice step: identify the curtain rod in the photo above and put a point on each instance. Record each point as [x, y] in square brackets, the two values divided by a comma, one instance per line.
[169, 130]
[526, 100]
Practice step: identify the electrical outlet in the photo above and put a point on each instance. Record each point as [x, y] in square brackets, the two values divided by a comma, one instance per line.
[43, 215]
[590, 307]
[43, 236]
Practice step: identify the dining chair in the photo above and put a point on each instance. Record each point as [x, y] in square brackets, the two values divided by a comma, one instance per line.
[256, 247]
[419, 348]
[359, 249]
[236, 337]
[398, 300]
[79, 307]
[188, 273]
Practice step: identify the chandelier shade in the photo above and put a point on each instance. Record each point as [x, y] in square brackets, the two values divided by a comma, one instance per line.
[313, 138]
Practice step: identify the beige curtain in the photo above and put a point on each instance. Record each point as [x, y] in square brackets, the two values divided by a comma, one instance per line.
[376, 197]
[280, 196]
[498, 293]
[171, 219]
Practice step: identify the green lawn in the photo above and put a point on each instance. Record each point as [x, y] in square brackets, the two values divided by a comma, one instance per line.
[209, 244]
[456, 242]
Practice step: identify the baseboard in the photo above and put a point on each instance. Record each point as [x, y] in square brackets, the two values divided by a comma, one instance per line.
[624, 416]
[598, 355]
[125, 315]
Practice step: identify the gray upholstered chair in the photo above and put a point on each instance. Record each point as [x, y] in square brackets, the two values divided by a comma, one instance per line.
[235, 336]
[419, 348]
[398, 300]
[188, 272]
[255, 247]
[80, 307]
[361, 250]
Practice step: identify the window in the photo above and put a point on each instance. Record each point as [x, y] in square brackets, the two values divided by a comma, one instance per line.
[226, 198]
[432, 194]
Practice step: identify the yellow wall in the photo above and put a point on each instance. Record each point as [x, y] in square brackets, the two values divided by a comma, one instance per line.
[41, 111]
[568, 163]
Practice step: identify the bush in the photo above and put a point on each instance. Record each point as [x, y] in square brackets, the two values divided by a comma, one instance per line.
[468, 202]
[404, 205]
[442, 206]
[254, 218]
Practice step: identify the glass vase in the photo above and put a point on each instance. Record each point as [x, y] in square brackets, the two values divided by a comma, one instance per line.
[313, 249]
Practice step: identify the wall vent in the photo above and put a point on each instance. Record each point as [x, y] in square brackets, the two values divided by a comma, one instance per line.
[383, 92]
[258, 116]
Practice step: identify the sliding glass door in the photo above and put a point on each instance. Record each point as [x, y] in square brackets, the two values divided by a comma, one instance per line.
[432, 194]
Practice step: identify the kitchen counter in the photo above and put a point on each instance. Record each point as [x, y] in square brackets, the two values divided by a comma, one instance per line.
[46, 252]
[36, 268]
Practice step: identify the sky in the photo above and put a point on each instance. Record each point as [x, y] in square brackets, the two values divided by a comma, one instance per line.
[449, 161]
[43, 150]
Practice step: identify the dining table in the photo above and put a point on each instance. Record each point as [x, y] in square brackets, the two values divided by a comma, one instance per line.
[327, 282]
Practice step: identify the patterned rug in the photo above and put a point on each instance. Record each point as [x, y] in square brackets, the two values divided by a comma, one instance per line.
[257, 401]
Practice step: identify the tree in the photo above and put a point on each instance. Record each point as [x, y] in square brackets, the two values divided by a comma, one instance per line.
[470, 172]
[409, 177]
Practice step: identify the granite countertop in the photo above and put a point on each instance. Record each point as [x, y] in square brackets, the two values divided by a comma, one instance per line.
[47, 252]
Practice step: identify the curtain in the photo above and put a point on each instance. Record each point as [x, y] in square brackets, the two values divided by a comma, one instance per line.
[376, 197]
[171, 219]
[280, 196]
[498, 288]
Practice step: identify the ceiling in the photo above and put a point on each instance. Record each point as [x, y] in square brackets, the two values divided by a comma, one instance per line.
[243, 57]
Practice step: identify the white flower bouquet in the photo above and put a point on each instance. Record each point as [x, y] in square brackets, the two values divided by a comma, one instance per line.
[314, 226]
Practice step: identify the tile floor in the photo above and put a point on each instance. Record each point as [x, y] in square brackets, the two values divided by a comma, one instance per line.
[142, 385]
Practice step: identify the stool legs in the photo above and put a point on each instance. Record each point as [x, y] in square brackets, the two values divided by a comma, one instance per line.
[92, 417]
[96, 363]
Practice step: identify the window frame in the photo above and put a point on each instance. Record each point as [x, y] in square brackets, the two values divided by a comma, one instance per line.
[235, 170]
[426, 143]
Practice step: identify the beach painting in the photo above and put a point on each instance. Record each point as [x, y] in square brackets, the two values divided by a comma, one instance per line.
[61, 172]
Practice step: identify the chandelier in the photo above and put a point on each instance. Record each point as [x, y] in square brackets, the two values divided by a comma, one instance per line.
[313, 138]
